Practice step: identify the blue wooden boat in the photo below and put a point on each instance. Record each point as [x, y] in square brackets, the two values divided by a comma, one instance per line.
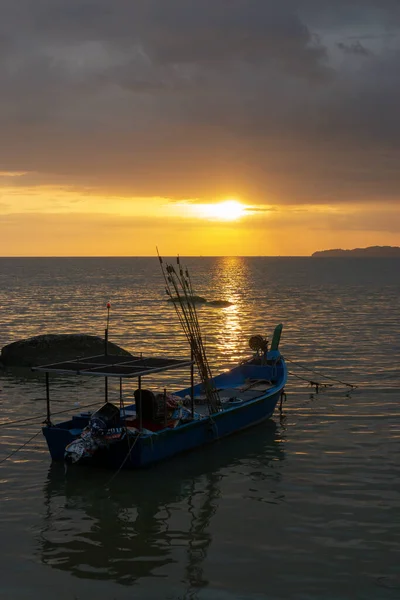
[160, 425]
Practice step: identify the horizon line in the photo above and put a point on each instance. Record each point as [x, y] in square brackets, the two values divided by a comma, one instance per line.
[155, 256]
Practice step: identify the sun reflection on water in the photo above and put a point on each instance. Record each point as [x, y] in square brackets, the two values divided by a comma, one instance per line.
[231, 280]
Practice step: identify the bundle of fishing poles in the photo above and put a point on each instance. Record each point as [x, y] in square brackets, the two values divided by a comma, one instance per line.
[180, 291]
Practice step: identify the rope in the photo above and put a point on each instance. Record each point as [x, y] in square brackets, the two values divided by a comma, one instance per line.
[42, 419]
[100, 487]
[125, 459]
[316, 383]
[19, 421]
[20, 448]
[318, 373]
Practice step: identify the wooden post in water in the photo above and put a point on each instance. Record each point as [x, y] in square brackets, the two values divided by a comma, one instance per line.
[106, 350]
[106, 331]
[106, 389]
[165, 407]
[48, 399]
[105, 354]
[140, 404]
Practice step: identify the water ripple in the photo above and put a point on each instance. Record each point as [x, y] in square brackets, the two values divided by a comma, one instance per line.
[307, 508]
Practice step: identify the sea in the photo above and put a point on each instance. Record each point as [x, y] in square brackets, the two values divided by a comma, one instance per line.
[303, 507]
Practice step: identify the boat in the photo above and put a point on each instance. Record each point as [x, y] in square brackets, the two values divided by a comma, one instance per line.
[159, 425]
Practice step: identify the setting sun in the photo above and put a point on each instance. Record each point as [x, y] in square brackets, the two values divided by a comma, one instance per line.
[228, 210]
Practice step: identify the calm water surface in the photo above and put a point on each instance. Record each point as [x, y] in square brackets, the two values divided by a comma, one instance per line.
[305, 507]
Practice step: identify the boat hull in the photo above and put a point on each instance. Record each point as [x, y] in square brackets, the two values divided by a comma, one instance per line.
[199, 433]
[146, 449]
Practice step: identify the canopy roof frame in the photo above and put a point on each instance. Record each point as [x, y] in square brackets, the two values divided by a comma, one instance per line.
[118, 366]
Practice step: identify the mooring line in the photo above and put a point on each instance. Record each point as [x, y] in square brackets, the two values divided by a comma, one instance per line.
[124, 461]
[40, 419]
[20, 448]
[350, 385]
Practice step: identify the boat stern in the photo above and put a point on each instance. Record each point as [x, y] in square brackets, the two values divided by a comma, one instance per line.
[58, 438]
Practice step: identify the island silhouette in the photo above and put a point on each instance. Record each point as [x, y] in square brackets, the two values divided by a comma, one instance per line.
[370, 252]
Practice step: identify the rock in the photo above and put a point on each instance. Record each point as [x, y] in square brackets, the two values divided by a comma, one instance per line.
[201, 300]
[219, 303]
[194, 299]
[52, 348]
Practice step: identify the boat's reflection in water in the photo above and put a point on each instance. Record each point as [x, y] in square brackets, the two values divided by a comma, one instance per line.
[142, 523]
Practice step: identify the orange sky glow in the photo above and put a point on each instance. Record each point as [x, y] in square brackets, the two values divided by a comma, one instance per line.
[248, 127]
[52, 221]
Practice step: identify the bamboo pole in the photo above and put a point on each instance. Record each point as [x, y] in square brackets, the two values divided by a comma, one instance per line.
[181, 284]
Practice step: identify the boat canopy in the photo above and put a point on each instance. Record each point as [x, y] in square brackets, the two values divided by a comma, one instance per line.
[108, 365]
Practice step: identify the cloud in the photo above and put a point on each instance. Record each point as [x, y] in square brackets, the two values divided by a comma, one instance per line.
[198, 98]
[354, 48]
[12, 173]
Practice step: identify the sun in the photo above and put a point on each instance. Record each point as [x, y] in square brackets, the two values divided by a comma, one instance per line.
[228, 210]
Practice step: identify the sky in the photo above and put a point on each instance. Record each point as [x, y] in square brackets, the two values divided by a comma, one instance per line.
[123, 125]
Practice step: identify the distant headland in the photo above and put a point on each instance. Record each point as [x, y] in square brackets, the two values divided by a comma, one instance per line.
[370, 252]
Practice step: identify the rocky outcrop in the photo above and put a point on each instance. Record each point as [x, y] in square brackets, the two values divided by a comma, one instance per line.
[193, 299]
[219, 303]
[51, 348]
[201, 300]
[370, 252]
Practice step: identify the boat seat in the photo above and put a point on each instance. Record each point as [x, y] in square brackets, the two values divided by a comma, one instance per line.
[241, 395]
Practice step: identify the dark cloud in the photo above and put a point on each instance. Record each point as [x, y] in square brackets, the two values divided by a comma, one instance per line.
[199, 97]
[354, 48]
